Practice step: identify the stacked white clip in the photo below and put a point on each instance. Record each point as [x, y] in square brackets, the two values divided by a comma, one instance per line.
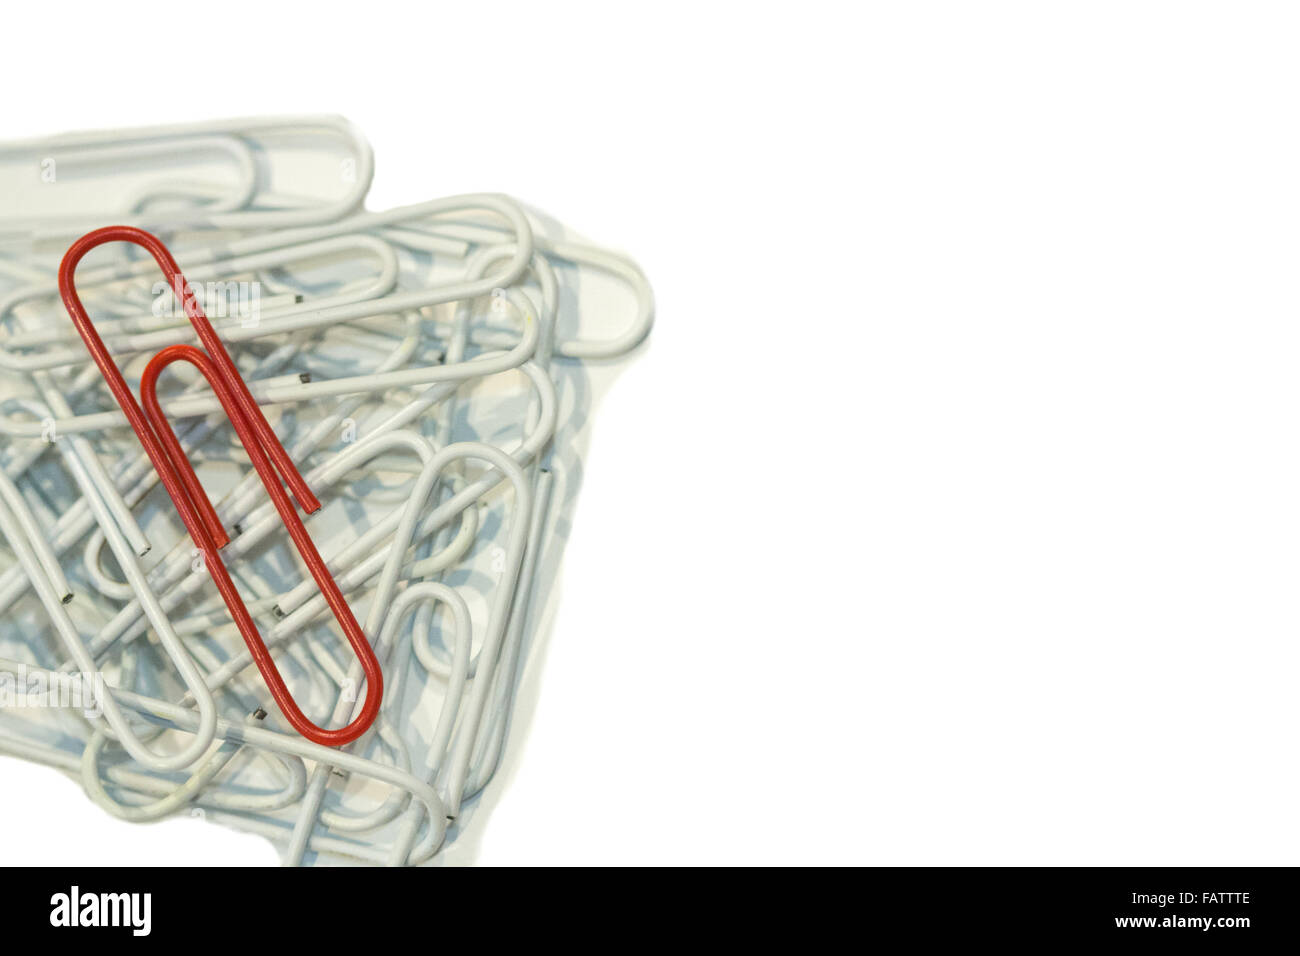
[424, 368]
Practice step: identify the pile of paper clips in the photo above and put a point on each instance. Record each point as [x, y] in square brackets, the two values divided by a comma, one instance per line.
[195, 318]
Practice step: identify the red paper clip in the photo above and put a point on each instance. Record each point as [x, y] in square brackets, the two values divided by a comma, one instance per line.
[178, 477]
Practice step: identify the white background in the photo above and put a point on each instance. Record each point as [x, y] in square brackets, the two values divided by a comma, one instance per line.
[952, 514]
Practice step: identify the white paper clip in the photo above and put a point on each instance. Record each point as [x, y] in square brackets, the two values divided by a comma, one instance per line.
[423, 368]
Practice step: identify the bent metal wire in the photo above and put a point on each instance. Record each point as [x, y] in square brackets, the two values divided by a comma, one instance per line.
[182, 484]
[440, 344]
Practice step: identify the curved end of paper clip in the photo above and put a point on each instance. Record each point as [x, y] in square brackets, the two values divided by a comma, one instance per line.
[343, 735]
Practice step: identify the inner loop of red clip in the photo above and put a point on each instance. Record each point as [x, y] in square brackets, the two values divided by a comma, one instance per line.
[177, 474]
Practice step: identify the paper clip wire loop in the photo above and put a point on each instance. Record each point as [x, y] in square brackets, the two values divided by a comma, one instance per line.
[182, 484]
